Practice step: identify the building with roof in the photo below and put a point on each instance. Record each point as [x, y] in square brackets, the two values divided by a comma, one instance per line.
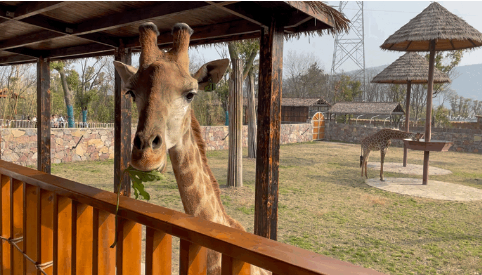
[367, 110]
[297, 109]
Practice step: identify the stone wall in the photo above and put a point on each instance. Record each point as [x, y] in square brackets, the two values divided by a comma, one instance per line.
[465, 140]
[20, 145]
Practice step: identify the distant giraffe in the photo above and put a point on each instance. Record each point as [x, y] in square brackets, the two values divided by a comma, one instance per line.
[380, 141]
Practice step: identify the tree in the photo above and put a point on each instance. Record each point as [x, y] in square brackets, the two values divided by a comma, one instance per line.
[346, 89]
[247, 51]
[304, 76]
[446, 62]
[60, 67]
[89, 82]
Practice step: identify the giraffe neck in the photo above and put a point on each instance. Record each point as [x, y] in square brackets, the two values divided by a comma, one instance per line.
[395, 134]
[197, 186]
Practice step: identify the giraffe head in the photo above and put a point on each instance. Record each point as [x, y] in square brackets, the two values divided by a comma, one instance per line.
[163, 89]
[418, 136]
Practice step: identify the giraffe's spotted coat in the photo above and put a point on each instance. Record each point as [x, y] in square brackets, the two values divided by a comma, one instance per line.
[380, 142]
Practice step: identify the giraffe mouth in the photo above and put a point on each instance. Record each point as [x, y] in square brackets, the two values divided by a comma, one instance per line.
[162, 168]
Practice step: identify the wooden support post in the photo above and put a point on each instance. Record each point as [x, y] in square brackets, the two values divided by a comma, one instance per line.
[192, 259]
[407, 121]
[428, 117]
[43, 115]
[122, 127]
[235, 163]
[251, 117]
[269, 124]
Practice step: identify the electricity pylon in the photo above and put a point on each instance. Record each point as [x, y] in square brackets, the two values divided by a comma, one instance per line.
[350, 47]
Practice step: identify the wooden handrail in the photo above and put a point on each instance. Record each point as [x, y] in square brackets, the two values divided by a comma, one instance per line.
[268, 254]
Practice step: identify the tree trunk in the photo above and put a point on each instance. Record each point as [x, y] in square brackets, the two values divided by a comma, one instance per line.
[67, 97]
[251, 116]
[235, 162]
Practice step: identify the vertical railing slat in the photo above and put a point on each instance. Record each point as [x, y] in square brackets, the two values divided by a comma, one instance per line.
[193, 259]
[46, 229]
[17, 226]
[129, 247]
[231, 266]
[63, 236]
[6, 268]
[106, 236]
[158, 252]
[31, 226]
[84, 239]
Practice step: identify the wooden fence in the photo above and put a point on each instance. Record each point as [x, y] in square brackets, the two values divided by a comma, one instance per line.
[65, 227]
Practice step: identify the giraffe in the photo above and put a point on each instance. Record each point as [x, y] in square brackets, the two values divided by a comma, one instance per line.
[163, 89]
[380, 141]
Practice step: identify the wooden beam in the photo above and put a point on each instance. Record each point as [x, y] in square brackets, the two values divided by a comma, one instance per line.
[43, 115]
[305, 8]
[246, 10]
[86, 55]
[78, 50]
[50, 24]
[296, 19]
[269, 125]
[28, 9]
[16, 60]
[133, 16]
[28, 39]
[219, 32]
[308, 26]
[102, 38]
[25, 52]
[122, 127]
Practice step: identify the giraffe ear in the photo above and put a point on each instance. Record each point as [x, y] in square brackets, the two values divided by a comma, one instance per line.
[211, 72]
[126, 72]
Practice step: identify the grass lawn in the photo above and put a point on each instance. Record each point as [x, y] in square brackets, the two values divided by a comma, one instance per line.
[325, 207]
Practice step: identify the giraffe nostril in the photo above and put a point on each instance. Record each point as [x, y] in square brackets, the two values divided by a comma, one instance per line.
[156, 143]
[137, 142]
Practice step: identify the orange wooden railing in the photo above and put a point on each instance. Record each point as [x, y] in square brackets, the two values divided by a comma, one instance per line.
[66, 228]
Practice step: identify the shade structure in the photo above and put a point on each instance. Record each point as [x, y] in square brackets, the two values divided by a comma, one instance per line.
[410, 68]
[449, 31]
[434, 29]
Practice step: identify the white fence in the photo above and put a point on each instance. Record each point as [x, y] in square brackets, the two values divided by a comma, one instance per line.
[5, 123]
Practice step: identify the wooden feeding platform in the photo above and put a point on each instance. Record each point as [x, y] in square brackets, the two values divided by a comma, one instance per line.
[433, 145]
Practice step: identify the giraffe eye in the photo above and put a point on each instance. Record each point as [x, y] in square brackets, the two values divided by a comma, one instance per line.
[189, 96]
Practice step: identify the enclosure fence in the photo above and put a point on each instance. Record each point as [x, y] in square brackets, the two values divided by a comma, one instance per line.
[33, 124]
[71, 226]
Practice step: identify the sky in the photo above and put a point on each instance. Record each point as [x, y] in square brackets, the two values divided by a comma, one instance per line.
[381, 19]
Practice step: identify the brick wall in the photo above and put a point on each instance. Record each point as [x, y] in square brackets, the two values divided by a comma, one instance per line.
[465, 140]
[19, 145]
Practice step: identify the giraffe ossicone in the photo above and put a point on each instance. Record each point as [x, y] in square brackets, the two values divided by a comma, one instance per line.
[163, 90]
[380, 142]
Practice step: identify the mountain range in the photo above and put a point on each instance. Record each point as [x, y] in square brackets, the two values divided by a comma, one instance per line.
[468, 83]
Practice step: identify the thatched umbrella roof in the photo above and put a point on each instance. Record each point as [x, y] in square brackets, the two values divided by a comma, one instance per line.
[409, 67]
[434, 23]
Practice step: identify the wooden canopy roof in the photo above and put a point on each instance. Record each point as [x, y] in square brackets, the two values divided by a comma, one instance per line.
[75, 29]
[367, 108]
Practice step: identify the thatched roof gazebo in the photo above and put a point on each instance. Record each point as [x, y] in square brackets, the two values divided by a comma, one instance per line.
[434, 29]
[409, 68]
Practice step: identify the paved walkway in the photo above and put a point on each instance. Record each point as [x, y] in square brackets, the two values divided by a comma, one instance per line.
[411, 169]
[434, 189]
